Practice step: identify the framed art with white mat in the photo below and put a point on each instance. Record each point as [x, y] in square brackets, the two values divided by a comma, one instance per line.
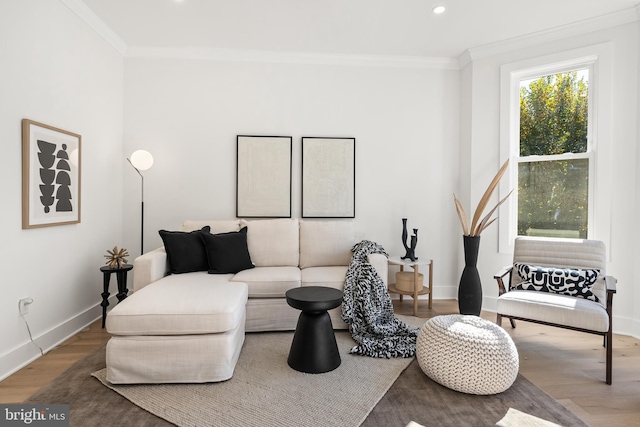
[263, 176]
[51, 164]
[328, 177]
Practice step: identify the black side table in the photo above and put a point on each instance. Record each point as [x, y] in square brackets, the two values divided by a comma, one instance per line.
[121, 277]
[314, 349]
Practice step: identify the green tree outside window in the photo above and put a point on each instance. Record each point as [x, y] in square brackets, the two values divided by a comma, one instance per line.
[553, 192]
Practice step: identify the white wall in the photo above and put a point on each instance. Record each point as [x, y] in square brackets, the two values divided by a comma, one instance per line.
[421, 135]
[54, 69]
[187, 113]
[620, 170]
[635, 232]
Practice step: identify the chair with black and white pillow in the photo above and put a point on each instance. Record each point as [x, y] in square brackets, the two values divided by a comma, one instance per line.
[562, 283]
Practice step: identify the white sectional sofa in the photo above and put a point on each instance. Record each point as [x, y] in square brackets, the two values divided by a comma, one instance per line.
[190, 327]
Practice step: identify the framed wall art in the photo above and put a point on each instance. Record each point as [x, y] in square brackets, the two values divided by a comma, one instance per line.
[263, 176]
[51, 164]
[328, 177]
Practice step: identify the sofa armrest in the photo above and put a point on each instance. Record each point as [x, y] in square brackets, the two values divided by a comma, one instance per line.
[149, 267]
[380, 263]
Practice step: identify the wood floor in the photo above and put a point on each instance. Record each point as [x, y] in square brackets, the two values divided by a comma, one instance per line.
[567, 365]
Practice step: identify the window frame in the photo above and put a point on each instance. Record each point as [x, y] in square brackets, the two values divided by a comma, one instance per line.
[597, 60]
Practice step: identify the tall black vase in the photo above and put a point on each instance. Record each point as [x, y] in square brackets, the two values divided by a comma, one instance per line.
[470, 288]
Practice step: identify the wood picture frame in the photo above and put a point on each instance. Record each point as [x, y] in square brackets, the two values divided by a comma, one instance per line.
[328, 177]
[51, 175]
[263, 176]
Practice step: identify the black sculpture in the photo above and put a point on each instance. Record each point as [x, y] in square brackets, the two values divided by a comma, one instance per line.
[410, 250]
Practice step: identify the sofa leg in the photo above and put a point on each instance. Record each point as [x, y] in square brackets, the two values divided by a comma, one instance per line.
[499, 319]
[513, 323]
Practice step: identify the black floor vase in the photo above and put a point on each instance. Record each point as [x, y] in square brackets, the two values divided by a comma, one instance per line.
[470, 288]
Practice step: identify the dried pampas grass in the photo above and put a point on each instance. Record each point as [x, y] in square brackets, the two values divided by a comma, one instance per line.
[477, 225]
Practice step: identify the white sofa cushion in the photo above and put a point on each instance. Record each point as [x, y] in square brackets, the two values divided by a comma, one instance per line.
[216, 226]
[554, 308]
[273, 242]
[199, 303]
[332, 277]
[269, 282]
[325, 243]
[175, 358]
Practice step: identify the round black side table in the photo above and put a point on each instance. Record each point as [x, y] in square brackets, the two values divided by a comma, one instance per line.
[121, 278]
[314, 349]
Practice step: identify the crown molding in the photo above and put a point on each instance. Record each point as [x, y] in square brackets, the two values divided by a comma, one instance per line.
[571, 30]
[96, 24]
[464, 59]
[565, 31]
[242, 55]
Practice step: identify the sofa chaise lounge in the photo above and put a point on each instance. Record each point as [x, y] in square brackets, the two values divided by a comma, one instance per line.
[190, 327]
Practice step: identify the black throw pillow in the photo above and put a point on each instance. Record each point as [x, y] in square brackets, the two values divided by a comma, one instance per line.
[185, 251]
[227, 252]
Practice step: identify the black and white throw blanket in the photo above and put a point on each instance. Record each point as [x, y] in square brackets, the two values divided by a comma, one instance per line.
[368, 311]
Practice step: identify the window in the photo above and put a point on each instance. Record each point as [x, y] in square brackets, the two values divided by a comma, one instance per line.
[555, 127]
[554, 155]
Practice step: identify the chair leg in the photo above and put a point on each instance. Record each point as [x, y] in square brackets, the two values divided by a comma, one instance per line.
[609, 350]
[499, 320]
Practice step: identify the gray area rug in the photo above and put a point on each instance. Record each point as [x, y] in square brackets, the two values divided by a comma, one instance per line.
[415, 397]
[265, 391]
[412, 397]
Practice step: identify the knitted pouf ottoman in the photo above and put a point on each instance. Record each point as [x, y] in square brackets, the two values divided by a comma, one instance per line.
[467, 354]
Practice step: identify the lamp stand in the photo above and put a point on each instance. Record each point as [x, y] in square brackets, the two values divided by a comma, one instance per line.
[142, 217]
[141, 208]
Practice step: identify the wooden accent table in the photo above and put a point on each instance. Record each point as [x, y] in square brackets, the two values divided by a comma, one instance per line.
[426, 290]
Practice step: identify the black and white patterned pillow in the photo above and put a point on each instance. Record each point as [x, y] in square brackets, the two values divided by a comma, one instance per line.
[565, 281]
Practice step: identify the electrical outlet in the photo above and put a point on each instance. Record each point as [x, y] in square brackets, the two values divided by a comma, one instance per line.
[23, 305]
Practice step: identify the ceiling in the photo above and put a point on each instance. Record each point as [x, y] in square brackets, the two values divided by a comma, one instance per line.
[353, 27]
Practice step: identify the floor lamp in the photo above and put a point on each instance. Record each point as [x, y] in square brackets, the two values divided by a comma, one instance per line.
[141, 160]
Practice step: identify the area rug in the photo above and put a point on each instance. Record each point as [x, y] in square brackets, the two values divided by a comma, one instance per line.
[415, 397]
[265, 391]
[412, 397]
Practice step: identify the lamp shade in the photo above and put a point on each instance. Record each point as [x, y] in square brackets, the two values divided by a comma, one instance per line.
[141, 160]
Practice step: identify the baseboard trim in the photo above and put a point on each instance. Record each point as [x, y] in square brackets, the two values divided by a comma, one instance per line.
[26, 353]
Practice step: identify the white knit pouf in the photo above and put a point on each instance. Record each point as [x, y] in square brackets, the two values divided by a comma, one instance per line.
[467, 354]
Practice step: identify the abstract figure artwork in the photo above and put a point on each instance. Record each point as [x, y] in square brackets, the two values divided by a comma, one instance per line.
[50, 175]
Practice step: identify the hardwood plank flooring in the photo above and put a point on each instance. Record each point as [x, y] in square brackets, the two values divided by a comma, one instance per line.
[567, 365]
[22, 384]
